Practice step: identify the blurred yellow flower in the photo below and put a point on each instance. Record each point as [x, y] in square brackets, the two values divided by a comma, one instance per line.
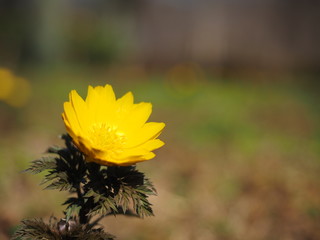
[6, 83]
[110, 131]
[14, 90]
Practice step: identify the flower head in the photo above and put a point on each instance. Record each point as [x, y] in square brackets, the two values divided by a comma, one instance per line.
[110, 131]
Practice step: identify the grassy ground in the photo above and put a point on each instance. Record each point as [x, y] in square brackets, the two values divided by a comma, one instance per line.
[241, 159]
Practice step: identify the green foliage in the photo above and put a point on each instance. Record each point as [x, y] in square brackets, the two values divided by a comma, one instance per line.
[37, 229]
[66, 167]
[115, 189]
[99, 189]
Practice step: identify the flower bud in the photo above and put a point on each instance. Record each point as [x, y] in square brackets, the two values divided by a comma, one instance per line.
[66, 226]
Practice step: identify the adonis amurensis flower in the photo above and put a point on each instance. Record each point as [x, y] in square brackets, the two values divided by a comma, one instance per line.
[110, 131]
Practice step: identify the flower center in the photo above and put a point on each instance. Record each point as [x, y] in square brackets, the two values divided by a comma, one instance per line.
[106, 137]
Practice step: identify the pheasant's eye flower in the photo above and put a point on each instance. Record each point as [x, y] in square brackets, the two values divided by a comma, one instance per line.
[111, 131]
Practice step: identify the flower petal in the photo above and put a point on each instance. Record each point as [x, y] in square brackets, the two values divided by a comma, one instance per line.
[150, 130]
[80, 109]
[137, 116]
[141, 151]
[100, 101]
[70, 117]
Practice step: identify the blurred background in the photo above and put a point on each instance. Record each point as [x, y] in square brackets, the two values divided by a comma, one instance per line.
[236, 82]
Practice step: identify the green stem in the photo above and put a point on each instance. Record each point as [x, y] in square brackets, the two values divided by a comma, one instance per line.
[83, 218]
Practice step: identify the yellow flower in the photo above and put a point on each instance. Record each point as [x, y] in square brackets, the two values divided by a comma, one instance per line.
[6, 83]
[110, 131]
[13, 90]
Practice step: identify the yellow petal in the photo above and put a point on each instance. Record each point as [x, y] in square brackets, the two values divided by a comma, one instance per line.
[137, 117]
[152, 145]
[142, 150]
[71, 118]
[133, 160]
[124, 106]
[80, 109]
[149, 131]
[69, 128]
[126, 101]
[100, 101]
